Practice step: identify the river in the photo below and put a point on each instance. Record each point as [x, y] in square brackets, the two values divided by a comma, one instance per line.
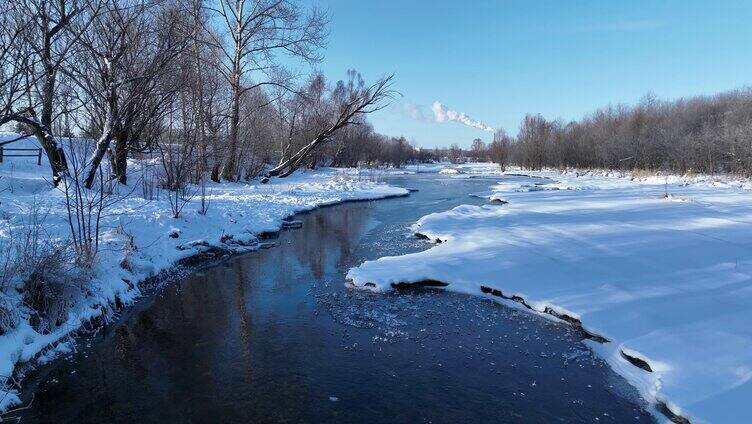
[275, 336]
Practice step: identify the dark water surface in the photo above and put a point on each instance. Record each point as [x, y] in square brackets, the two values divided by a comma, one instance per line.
[275, 336]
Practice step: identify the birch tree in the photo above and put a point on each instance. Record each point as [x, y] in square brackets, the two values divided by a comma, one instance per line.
[257, 31]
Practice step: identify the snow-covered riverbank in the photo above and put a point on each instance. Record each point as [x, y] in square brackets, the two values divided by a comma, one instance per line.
[667, 280]
[141, 239]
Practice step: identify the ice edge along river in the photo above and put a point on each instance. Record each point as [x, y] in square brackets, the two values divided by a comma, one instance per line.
[665, 278]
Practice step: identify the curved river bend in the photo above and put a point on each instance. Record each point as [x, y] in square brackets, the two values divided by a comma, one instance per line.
[275, 336]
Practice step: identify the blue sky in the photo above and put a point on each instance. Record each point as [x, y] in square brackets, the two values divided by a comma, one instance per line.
[497, 60]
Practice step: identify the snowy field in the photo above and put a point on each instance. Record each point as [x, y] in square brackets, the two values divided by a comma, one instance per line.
[667, 280]
[237, 214]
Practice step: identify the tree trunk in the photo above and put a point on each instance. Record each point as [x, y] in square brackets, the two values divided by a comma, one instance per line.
[104, 141]
[96, 159]
[215, 173]
[120, 157]
[55, 155]
[228, 172]
[52, 149]
[43, 132]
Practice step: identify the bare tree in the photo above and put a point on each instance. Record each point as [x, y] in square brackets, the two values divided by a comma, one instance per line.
[123, 56]
[478, 148]
[148, 91]
[14, 61]
[257, 30]
[500, 149]
[454, 153]
[205, 89]
[50, 39]
[203, 76]
[353, 100]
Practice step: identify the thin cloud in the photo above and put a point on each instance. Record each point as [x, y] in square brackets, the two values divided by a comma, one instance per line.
[413, 110]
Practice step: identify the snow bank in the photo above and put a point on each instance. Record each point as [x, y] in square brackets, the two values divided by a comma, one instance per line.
[237, 214]
[451, 171]
[667, 280]
[464, 170]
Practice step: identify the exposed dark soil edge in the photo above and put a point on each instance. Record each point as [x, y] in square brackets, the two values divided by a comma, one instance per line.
[111, 314]
[421, 283]
[329, 205]
[425, 237]
[512, 174]
[639, 363]
[660, 406]
[663, 408]
[564, 317]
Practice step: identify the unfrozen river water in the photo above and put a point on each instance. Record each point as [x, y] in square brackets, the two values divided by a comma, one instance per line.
[275, 336]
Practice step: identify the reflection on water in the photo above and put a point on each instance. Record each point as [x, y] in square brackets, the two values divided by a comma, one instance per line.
[275, 336]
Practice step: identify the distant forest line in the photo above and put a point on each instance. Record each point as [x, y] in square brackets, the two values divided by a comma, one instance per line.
[701, 134]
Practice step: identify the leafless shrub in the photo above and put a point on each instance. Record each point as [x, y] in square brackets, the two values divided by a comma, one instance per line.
[179, 162]
[177, 166]
[129, 248]
[52, 284]
[86, 207]
[7, 263]
[179, 198]
[8, 272]
[45, 272]
[8, 313]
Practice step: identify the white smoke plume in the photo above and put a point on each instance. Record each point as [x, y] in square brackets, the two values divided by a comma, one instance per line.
[442, 114]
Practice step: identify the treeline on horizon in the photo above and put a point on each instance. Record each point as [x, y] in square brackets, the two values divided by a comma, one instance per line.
[701, 134]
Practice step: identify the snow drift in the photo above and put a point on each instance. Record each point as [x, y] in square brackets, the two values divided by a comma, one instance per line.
[667, 280]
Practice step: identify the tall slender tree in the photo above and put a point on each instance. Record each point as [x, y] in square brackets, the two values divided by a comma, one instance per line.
[256, 32]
